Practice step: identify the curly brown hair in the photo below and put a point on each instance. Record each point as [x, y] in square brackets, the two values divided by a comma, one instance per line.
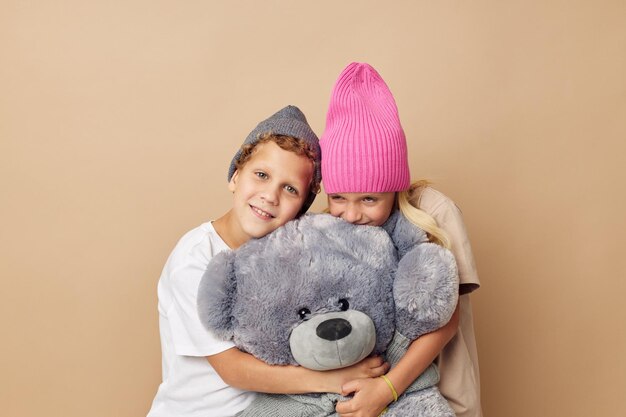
[287, 143]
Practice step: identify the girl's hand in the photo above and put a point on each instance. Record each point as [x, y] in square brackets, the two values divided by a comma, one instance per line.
[371, 397]
[371, 367]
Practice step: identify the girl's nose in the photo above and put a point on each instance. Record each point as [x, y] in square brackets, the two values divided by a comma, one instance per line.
[351, 214]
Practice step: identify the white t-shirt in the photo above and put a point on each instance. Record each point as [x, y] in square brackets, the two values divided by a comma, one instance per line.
[191, 387]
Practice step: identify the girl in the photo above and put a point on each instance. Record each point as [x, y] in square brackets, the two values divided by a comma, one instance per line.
[366, 176]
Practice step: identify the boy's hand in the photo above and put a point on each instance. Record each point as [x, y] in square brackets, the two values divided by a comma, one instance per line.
[371, 397]
[371, 367]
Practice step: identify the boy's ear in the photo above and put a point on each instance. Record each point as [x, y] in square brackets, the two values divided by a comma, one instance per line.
[217, 295]
[233, 181]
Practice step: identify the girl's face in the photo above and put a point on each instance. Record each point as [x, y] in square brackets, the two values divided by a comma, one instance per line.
[372, 209]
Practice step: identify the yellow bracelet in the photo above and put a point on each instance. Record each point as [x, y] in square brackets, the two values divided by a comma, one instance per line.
[393, 390]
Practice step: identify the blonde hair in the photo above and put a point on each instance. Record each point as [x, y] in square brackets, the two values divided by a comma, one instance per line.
[408, 202]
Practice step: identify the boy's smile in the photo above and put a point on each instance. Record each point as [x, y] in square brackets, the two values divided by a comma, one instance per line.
[268, 191]
[262, 214]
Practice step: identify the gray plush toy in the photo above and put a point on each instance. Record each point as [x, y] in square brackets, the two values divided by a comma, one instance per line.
[320, 293]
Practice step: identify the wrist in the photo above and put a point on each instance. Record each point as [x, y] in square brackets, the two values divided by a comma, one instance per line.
[331, 381]
[391, 389]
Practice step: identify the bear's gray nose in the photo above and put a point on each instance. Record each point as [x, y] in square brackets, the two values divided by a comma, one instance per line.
[334, 329]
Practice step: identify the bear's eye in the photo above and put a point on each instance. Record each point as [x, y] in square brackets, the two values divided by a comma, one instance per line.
[304, 313]
[343, 304]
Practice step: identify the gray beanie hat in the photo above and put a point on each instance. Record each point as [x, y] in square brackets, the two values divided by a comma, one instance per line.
[289, 121]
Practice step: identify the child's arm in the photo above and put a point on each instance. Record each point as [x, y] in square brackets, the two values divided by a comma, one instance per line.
[434, 268]
[242, 370]
[372, 395]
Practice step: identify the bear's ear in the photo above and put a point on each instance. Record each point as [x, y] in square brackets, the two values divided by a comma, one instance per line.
[425, 290]
[217, 295]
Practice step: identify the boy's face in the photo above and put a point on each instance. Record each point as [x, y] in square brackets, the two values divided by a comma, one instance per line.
[372, 209]
[268, 191]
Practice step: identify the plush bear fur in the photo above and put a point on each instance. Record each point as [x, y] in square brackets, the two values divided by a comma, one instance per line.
[322, 293]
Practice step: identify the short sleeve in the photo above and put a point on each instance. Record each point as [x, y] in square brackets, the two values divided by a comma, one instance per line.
[180, 280]
[449, 218]
[190, 338]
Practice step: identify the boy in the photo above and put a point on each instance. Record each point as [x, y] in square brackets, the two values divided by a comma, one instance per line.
[274, 178]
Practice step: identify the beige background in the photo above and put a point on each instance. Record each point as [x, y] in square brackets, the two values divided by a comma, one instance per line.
[118, 119]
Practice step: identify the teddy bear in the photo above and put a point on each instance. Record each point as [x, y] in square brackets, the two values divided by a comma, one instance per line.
[322, 293]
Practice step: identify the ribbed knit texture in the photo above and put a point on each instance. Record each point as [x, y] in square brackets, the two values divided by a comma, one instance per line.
[363, 146]
[323, 405]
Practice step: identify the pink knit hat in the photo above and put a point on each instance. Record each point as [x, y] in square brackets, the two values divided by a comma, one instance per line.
[363, 146]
